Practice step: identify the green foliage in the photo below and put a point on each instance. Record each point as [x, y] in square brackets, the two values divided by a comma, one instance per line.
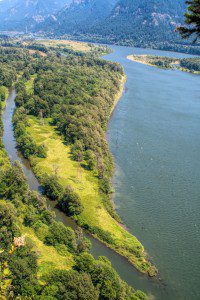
[192, 19]
[191, 64]
[25, 144]
[70, 202]
[8, 224]
[60, 234]
[102, 234]
[12, 182]
[82, 243]
[106, 279]
[69, 285]
[41, 230]
[23, 265]
[51, 187]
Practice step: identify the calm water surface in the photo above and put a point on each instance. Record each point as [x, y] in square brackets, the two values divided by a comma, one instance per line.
[154, 135]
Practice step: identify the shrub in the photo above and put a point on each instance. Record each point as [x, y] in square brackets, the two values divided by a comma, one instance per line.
[52, 189]
[70, 203]
[60, 234]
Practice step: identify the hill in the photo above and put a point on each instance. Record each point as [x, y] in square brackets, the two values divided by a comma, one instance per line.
[143, 20]
[79, 16]
[24, 14]
[146, 23]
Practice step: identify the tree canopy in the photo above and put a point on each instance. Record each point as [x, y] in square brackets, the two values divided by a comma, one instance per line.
[192, 19]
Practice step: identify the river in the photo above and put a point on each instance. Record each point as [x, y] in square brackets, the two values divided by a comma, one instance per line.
[154, 137]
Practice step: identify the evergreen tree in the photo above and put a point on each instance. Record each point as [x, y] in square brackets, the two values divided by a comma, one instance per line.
[192, 19]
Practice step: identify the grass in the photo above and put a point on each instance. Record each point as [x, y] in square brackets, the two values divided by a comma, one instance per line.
[76, 46]
[59, 162]
[86, 185]
[30, 84]
[48, 257]
[31, 52]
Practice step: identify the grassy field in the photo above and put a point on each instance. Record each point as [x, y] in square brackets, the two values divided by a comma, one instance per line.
[29, 84]
[76, 46]
[69, 172]
[48, 257]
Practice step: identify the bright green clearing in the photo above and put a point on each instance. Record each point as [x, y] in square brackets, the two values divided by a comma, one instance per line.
[48, 257]
[59, 162]
[30, 84]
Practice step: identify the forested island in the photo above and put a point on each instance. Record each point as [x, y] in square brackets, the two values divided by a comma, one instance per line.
[191, 65]
[63, 106]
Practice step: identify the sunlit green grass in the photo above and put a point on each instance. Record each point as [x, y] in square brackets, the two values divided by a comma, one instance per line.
[30, 84]
[69, 172]
[48, 257]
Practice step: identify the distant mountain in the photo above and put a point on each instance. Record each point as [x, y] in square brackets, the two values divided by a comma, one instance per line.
[22, 14]
[79, 15]
[143, 20]
[120, 20]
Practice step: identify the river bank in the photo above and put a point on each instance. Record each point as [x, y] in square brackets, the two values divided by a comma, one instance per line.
[58, 161]
[97, 215]
[191, 65]
[157, 172]
[119, 93]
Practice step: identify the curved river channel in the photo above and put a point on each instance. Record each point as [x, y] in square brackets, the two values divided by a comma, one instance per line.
[154, 137]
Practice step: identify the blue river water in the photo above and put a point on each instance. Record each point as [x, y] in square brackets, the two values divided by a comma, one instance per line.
[154, 136]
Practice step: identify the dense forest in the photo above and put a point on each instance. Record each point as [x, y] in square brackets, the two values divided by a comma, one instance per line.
[39, 257]
[77, 94]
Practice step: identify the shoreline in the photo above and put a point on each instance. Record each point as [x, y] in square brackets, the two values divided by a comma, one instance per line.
[176, 65]
[118, 95]
[131, 57]
[123, 242]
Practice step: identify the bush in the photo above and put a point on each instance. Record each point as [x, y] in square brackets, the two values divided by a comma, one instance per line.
[52, 188]
[60, 234]
[23, 266]
[70, 203]
[103, 235]
[41, 230]
[69, 285]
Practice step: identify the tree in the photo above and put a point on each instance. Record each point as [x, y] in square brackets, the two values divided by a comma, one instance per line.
[69, 285]
[192, 19]
[70, 203]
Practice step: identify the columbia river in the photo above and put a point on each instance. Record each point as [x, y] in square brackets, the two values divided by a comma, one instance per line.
[154, 138]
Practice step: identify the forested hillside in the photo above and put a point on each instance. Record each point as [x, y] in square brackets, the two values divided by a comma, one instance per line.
[39, 257]
[144, 20]
[78, 16]
[139, 23]
[124, 22]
